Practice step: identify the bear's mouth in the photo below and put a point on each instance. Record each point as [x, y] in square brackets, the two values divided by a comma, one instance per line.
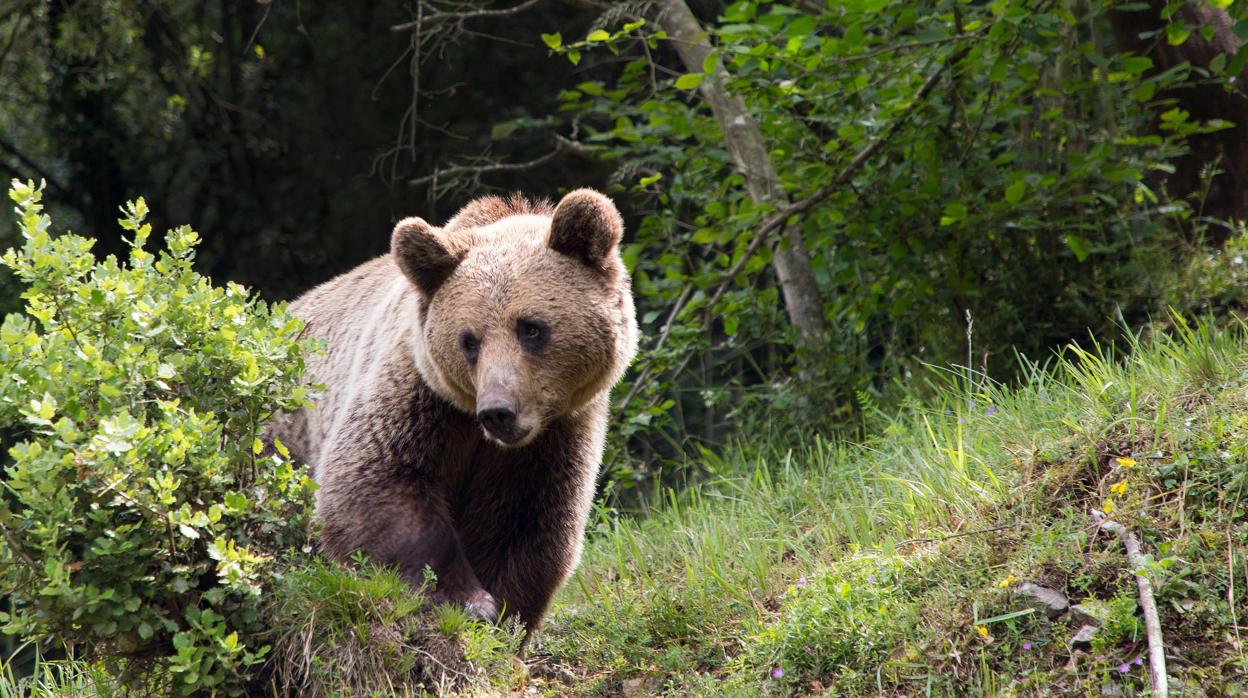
[509, 438]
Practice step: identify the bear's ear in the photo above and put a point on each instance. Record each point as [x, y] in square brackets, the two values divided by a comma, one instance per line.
[586, 225]
[424, 254]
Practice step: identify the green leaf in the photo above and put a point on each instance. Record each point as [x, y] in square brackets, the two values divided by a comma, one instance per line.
[554, 41]
[574, 56]
[598, 35]
[1014, 192]
[690, 81]
[1136, 64]
[710, 62]
[503, 131]
[647, 181]
[1177, 33]
[954, 212]
[593, 87]
[1078, 245]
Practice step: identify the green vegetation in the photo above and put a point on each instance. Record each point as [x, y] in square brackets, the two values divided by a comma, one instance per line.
[140, 521]
[869, 568]
[890, 566]
[829, 203]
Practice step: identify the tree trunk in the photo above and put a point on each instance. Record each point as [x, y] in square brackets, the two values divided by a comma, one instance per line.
[1226, 150]
[745, 143]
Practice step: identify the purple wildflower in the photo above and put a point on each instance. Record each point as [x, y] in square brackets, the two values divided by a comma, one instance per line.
[1138, 661]
[992, 409]
[871, 579]
[971, 405]
[801, 581]
[1124, 668]
[1027, 645]
[808, 649]
[961, 420]
[777, 673]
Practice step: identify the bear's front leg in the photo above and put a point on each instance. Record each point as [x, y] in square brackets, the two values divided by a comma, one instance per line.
[523, 519]
[403, 523]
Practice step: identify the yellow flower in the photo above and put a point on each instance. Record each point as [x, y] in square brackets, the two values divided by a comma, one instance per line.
[1119, 488]
[1108, 508]
[1125, 461]
[983, 633]
[1009, 579]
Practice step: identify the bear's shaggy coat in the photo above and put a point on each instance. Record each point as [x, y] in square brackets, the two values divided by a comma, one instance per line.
[515, 315]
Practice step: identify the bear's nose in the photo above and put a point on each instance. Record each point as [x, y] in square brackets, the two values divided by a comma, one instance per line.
[500, 421]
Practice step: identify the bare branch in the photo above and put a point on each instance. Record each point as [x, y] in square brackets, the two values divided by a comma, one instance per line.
[268, 7]
[1148, 603]
[599, 5]
[18, 549]
[663, 335]
[29, 164]
[897, 48]
[477, 170]
[436, 15]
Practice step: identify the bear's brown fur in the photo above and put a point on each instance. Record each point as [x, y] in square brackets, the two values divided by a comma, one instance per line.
[516, 316]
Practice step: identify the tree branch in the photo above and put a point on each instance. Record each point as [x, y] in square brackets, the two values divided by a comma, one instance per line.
[29, 164]
[777, 219]
[436, 15]
[744, 141]
[1148, 603]
[19, 550]
[663, 335]
[477, 170]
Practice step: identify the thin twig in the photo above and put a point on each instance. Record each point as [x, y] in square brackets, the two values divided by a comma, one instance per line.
[18, 549]
[493, 167]
[441, 15]
[663, 335]
[268, 7]
[899, 47]
[1230, 591]
[1148, 603]
[951, 536]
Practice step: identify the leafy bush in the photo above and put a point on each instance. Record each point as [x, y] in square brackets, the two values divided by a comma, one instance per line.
[140, 523]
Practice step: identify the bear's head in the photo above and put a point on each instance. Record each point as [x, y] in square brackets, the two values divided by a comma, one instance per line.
[526, 313]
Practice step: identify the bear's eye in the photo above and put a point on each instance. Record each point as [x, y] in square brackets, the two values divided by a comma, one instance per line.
[532, 334]
[470, 345]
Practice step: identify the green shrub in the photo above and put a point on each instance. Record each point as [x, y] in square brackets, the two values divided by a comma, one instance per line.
[140, 523]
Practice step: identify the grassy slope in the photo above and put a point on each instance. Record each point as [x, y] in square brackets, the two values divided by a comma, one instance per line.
[871, 569]
[891, 567]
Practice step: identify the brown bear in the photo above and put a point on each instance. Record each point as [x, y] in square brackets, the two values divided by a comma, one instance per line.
[466, 377]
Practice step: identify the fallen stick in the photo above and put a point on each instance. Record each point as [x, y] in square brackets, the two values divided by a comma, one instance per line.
[1152, 624]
